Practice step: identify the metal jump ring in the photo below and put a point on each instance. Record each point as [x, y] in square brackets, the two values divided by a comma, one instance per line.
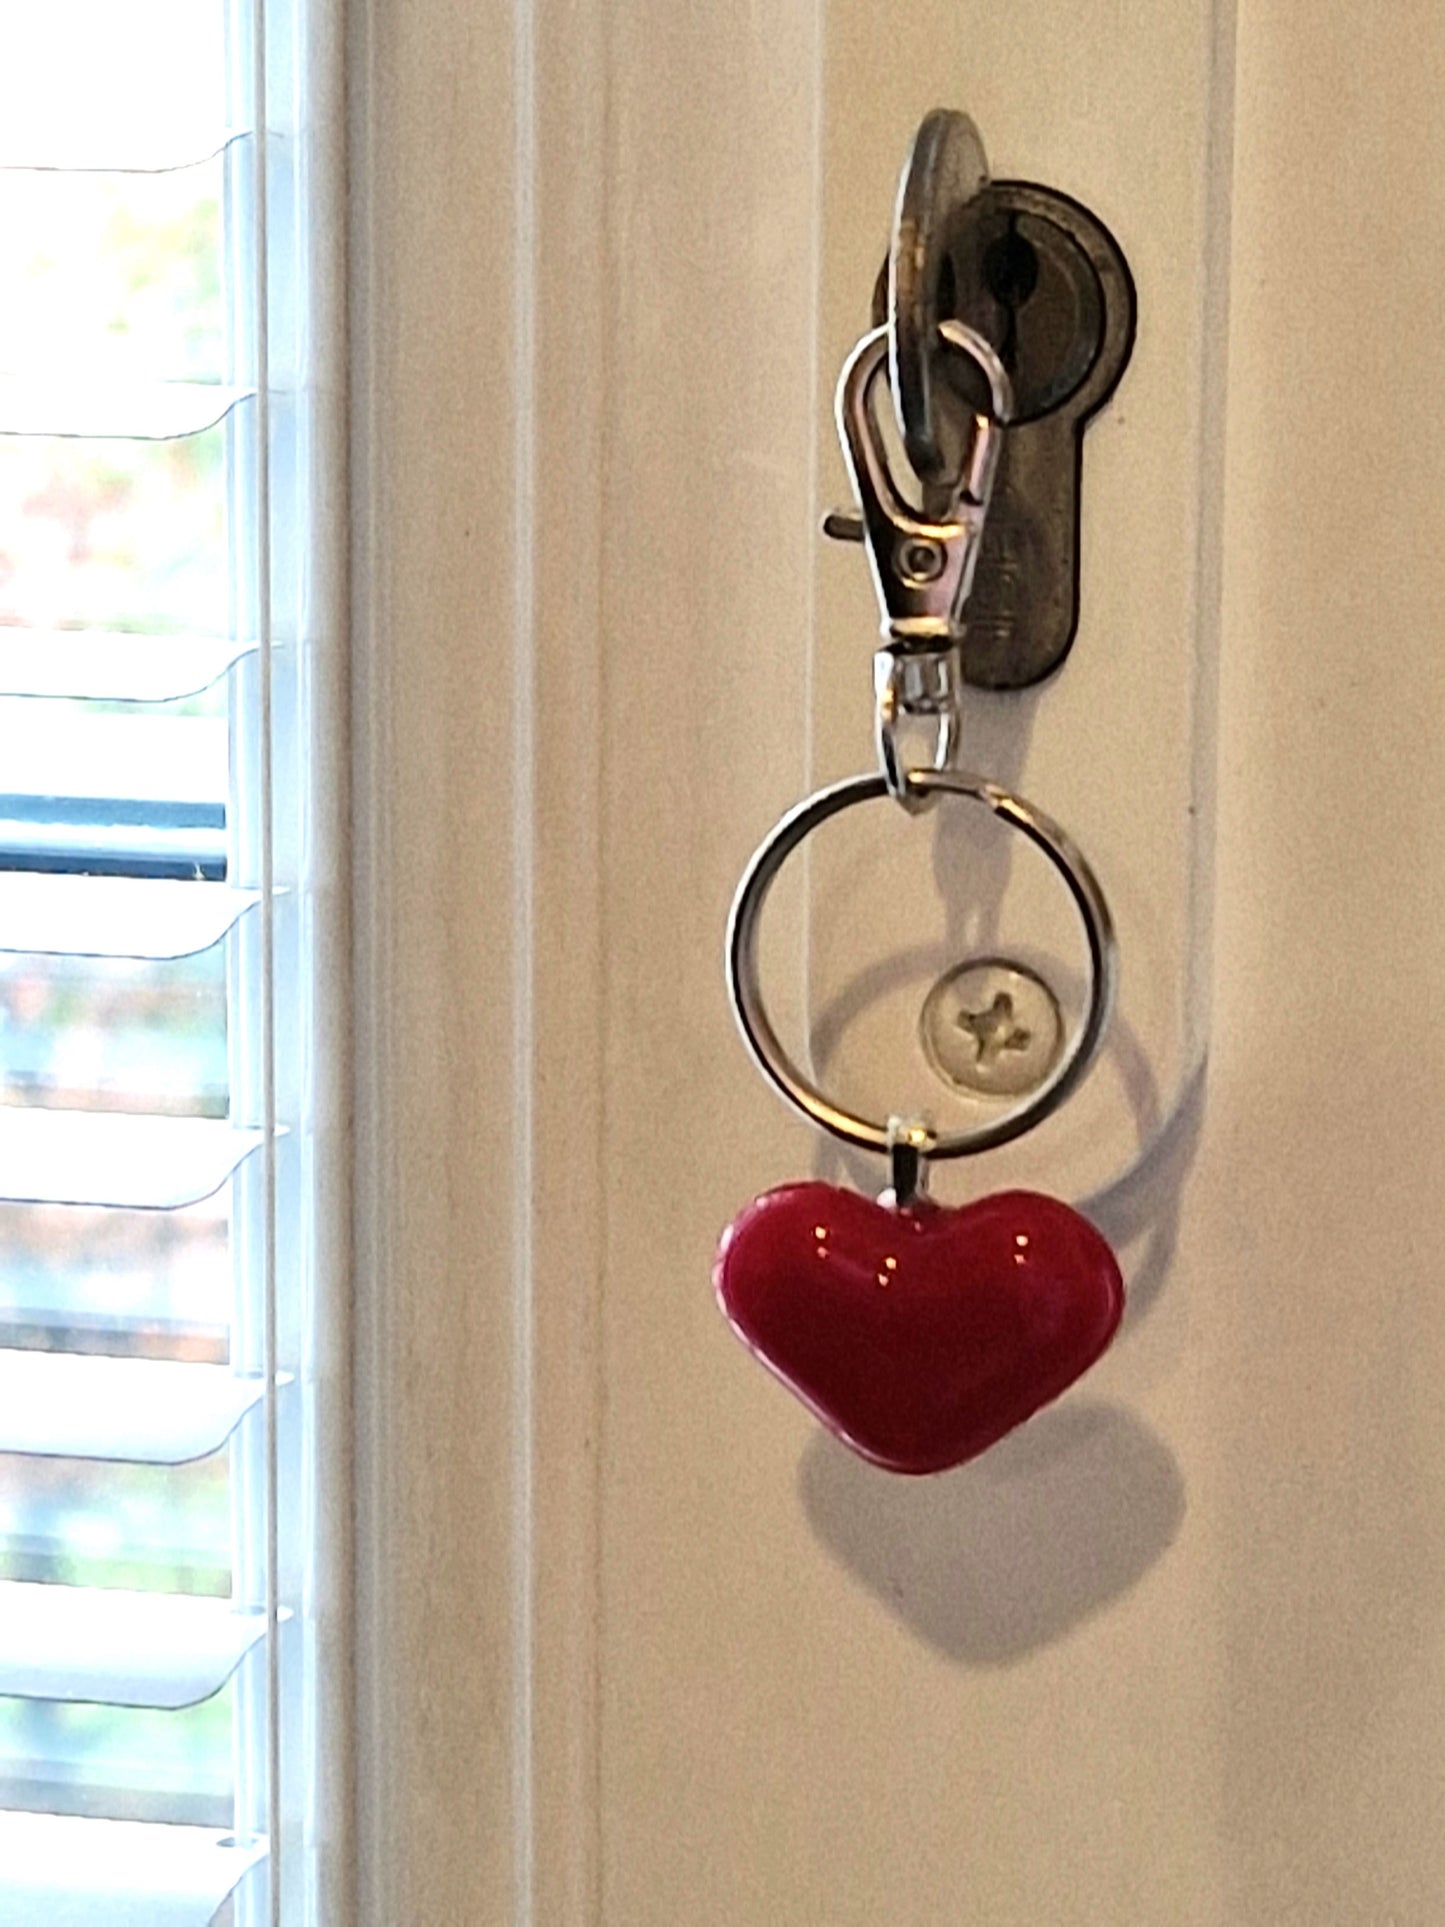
[893, 702]
[745, 992]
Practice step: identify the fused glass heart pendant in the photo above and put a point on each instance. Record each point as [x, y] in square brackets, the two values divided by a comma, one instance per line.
[920, 1336]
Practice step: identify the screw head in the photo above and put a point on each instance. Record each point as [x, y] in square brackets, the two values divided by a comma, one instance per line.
[919, 559]
[991, 1028]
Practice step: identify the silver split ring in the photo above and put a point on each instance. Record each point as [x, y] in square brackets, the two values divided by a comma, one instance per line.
[745, 990]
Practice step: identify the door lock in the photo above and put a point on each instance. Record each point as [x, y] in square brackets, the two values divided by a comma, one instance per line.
[1044, 282]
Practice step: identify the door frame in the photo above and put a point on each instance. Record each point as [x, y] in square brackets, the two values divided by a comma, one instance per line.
[476, 261]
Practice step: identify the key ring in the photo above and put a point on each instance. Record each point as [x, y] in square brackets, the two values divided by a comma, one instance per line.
[919, 1334]
[745, 988]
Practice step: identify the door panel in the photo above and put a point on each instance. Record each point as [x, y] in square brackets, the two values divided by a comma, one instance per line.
[1310, 1251]
[638, 1644]
[826, 1694]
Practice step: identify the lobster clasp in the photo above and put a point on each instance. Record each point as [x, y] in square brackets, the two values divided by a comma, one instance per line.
[922, 564]
[922, 561]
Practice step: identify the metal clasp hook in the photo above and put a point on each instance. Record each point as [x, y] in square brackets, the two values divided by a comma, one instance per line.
[922, 564]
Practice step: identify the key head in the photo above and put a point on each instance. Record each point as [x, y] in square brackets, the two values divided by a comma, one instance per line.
[942, 180]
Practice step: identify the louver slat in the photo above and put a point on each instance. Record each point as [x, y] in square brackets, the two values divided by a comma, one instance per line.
[68, 1872]
[104, 1647]
[98, 916]
[129, 1411]
[115, 1158]
[160, 411]
[31, 148]
[114, 666]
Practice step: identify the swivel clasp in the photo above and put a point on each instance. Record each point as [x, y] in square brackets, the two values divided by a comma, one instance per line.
[922, 563]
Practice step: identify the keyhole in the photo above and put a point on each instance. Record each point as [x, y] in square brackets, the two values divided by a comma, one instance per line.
[1011, 268]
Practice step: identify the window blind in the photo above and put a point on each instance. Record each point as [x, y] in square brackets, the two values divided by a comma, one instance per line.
[154, 569]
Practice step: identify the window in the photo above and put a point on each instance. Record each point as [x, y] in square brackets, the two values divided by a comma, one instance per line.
[168, 635]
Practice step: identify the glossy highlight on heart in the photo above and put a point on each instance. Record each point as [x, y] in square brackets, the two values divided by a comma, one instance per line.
[919, 1336]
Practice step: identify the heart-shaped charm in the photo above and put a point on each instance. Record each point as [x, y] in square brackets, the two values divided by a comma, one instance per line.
[919, 1336]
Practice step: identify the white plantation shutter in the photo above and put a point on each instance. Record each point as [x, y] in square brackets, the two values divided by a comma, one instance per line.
[162, 585]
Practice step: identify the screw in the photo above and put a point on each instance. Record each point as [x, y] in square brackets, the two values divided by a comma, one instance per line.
[991, 1028]
[919, 559]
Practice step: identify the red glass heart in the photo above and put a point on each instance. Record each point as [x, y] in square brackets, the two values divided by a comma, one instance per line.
[919, 1336]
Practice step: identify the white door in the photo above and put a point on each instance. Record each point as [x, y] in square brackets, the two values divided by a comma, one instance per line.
[637, 1644]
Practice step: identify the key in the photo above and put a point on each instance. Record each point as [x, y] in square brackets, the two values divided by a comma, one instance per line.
[1042, 279]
